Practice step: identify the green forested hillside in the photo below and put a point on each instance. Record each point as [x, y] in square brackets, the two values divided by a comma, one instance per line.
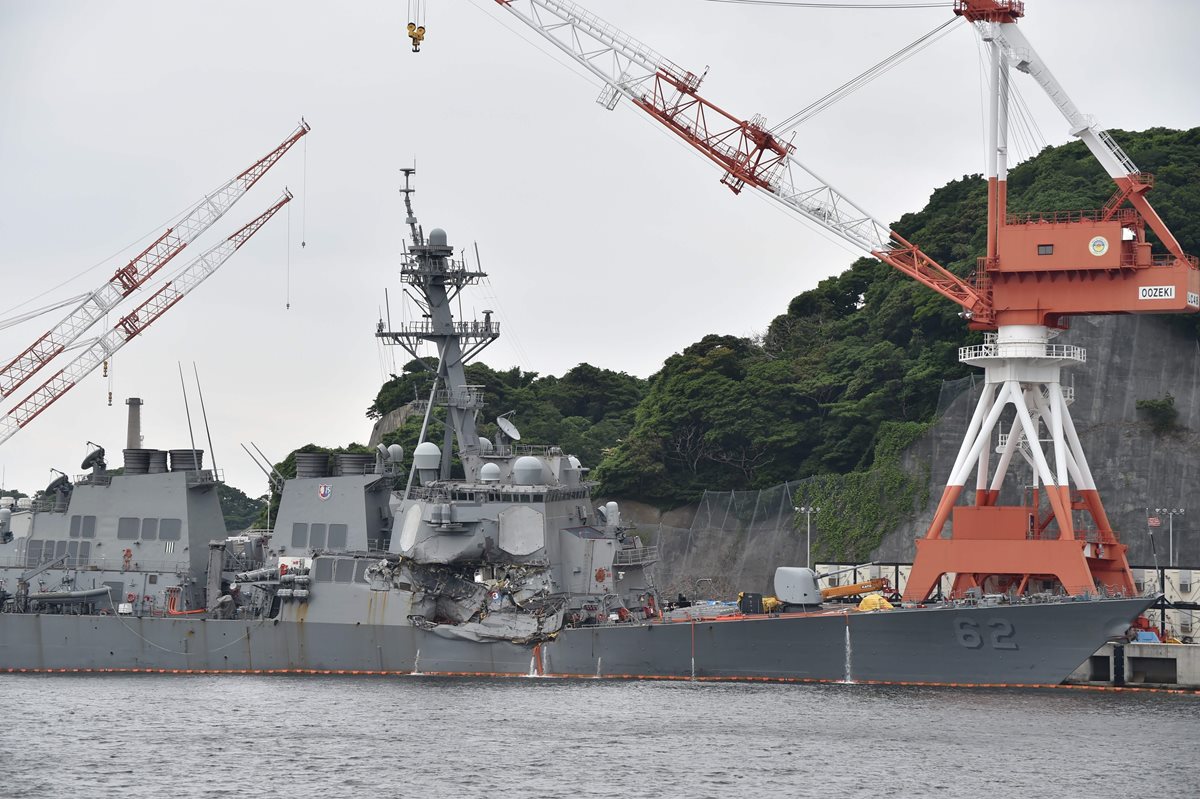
[240, 510]
[865, 347]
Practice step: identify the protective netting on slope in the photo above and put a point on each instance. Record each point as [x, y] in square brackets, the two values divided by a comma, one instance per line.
[738, 538]
[736, 541]
[952, 389]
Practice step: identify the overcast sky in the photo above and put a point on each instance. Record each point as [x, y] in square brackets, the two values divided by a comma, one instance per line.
[607, 240]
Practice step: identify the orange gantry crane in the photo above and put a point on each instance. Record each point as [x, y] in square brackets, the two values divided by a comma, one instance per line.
[1039, 270]
[144, 266]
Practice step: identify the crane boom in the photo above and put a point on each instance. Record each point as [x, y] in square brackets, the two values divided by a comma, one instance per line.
[131, 324]
[144, 266]
[747, 151]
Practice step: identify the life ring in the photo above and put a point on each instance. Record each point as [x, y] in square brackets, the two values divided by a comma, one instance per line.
[130, 597]
[601, 574]
[282, 569]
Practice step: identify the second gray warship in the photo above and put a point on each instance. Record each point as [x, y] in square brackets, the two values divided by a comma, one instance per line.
[498, 564]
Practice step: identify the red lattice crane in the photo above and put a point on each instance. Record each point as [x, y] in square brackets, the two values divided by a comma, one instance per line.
[1038, 271]
[144, 266]
[133, 323]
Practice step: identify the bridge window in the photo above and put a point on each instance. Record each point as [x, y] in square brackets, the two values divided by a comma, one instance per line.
[337, 536]
[343, 570]
[299, 535]
[127, 528]
[316, 536]
[169, 529]
[1045, 249]
[149, 529]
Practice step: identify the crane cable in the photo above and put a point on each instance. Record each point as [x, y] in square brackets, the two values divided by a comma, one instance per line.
[1025, 133]
[857, 82]
[416, 23]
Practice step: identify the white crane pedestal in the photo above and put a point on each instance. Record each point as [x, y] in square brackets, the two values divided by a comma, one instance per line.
[1060, 533]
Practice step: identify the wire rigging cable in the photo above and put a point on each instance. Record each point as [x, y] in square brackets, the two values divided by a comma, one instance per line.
[287, 298]
[156, 230]
[857, 82]
[792, 4]
[16, 320]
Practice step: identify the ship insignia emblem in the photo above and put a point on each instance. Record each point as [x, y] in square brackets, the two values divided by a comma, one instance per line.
[324, 491]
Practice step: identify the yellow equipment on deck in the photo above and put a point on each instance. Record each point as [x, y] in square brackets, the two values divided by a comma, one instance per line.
[874, 602]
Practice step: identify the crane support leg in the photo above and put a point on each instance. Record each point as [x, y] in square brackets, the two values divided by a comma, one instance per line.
[1000, 547]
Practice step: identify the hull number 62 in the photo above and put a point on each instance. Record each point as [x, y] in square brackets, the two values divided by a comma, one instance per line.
[997, 633]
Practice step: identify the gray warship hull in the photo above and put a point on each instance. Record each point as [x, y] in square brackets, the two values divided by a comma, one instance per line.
[1035, 644]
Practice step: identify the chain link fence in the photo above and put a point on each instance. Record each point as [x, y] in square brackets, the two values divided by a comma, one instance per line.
[735, 542]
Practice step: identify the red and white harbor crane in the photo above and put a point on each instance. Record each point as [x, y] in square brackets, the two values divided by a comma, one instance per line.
[144, 266]
[1039, 270]
[169, 293]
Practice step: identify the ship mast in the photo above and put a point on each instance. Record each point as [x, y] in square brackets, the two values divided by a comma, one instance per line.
[437, 278]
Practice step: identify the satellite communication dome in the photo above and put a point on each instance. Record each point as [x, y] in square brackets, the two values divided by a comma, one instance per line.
[427, 455]
[575, 464]
[485, 445]
[437, 237]
[395, 453]
[489, 473]
[527, 471]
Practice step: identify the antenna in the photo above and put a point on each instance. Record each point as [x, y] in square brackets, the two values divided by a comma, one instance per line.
[274, 479]
[183, 388]
[411, 218]
[268, 461]
[212, 453]
[425, 422]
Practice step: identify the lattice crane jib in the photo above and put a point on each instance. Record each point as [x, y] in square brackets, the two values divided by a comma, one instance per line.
[748, 152]
[140, 269]
[133, 323]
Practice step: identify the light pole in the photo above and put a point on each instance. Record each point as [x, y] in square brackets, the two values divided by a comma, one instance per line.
[808, 511]
[1170, 532]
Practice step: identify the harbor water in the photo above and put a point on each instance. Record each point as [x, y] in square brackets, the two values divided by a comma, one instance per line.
[149, 736]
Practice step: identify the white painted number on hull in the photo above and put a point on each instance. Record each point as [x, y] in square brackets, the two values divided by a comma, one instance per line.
[1000, 634]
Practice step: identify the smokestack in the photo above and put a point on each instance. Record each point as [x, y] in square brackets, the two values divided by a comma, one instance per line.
[134, 438]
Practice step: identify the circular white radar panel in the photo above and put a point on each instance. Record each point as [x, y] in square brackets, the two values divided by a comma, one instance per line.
[508, 428]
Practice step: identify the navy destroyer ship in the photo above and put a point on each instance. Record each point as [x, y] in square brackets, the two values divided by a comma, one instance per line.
[479, 556]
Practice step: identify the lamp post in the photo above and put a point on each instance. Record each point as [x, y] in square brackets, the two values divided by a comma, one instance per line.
[1170, 532]
[808, 511]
